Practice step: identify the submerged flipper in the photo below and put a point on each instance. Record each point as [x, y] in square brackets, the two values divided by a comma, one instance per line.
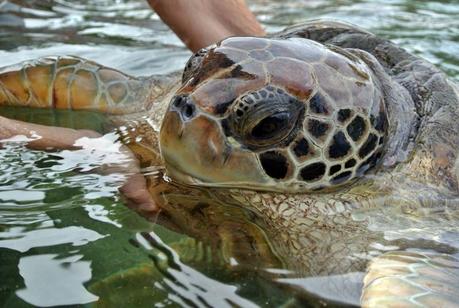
[411, 279]
[72, 83]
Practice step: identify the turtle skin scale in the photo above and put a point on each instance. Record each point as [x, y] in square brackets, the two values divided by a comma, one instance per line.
[348, 136]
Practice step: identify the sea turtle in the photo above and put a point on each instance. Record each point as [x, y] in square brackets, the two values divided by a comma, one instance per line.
[332, 135]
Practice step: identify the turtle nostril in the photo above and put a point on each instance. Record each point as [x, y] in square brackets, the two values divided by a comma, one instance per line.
[179, 101]
[187, 111]
[184, 106]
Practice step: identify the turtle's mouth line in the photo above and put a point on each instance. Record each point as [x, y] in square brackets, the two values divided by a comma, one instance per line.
[173, 168]
[177, 175]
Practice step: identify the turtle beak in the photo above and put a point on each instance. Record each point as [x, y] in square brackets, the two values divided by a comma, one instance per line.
[195, 150]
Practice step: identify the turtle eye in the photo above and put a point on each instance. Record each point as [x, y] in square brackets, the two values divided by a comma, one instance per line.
[265, 118]
[270, 126]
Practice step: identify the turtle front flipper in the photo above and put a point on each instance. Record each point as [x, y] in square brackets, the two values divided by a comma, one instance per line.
[404, 279]
[72, 83]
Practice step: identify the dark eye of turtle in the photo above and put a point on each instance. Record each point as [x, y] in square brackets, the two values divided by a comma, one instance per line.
[270, 125]
[266, 117]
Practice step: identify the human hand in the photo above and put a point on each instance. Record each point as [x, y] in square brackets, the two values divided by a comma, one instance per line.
[42, 137]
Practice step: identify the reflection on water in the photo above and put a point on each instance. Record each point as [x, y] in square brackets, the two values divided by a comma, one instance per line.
[18, 238]
[64, 283]
[66, 236]
[189, 285]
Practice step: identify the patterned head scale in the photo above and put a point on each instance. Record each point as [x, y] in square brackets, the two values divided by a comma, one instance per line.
[283, 115]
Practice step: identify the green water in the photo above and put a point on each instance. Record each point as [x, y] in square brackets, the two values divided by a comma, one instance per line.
[66, 235]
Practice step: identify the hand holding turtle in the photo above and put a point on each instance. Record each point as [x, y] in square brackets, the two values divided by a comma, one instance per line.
[42, 137]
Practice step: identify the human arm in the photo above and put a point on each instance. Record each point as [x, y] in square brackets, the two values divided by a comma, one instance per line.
[42, 137]
[199, 23]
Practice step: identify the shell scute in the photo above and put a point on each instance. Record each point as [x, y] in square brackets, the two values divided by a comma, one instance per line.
[39, 80]
[221, 92]
[304, 149]
[60, 90]
[108, 75]
[118, 92]
[318, 104]
[302, 50]
[231, 54]
[295, 76]
[339, 147]
[83, 90]
[245, 43]
[334, 85]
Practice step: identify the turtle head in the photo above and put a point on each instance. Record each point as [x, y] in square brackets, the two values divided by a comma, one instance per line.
[253, 113]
